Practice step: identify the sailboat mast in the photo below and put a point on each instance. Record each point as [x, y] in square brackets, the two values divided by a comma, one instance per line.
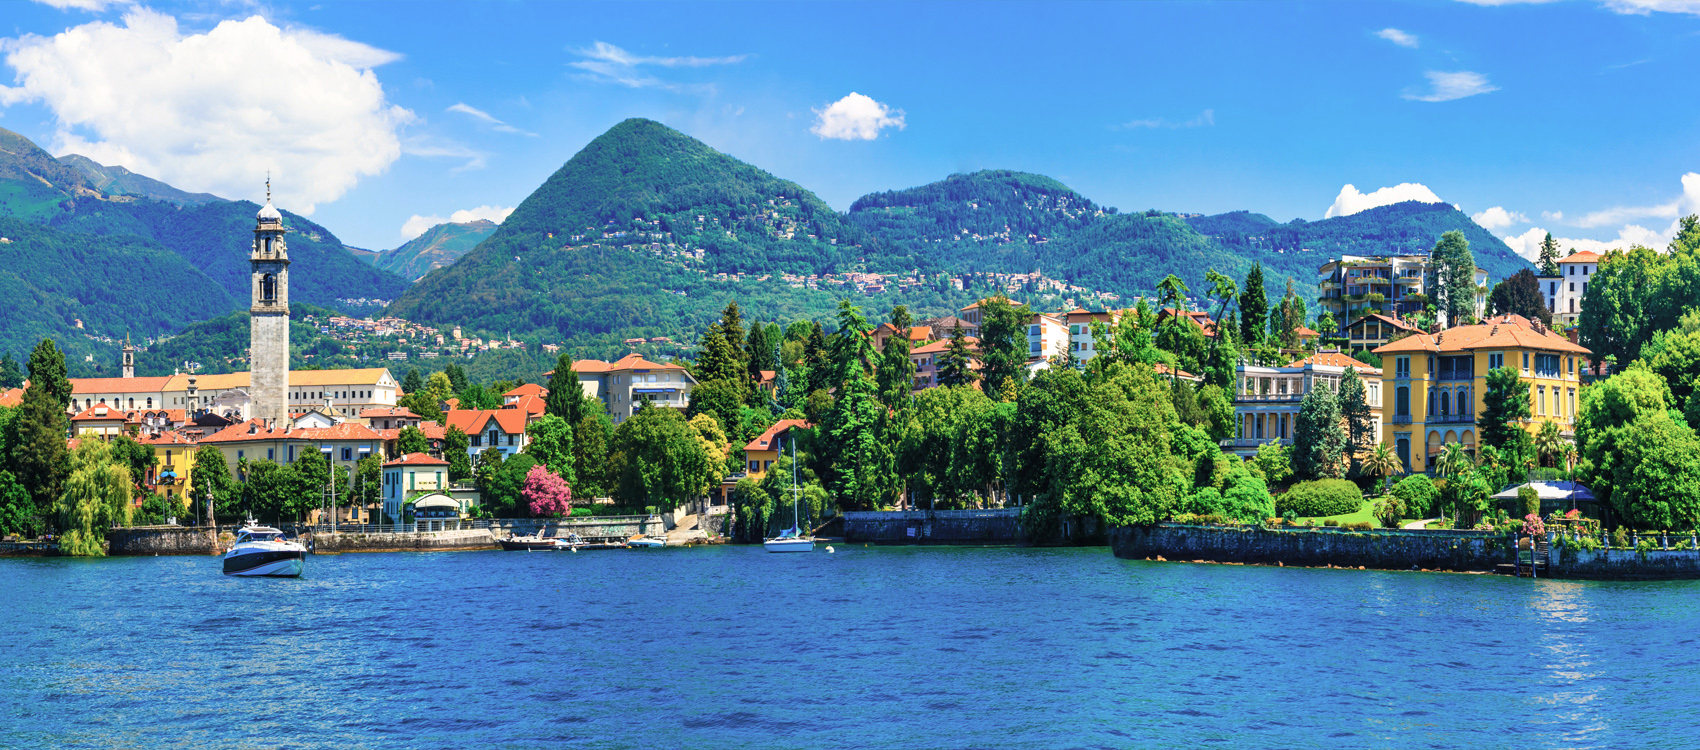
[795, 524]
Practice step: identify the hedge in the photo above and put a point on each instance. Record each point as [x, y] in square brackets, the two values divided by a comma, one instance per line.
[1323, 497]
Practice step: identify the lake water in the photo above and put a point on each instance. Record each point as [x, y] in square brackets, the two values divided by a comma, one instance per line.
[866, 648]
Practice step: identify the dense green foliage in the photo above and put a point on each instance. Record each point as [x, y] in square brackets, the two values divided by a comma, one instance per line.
[1418, 494]
[1520, 294]
[1634, 295]
[120, 181]
[1455, 265]
[1319, 445]
[1322, 497]
[1504, 403]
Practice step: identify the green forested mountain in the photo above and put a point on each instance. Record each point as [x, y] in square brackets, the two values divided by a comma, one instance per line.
[212, 234]
[1013, 222]
[632, 236]
[1409, 227]
[215, 238]
[439, 246]
[51, 279]
[121, 181]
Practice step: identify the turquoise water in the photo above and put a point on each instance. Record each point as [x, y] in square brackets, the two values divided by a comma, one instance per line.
[867, 648]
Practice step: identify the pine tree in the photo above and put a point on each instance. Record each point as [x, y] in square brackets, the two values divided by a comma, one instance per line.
[1355, 410]
[1506, 400]
[718, 360]
[11, 376]
[1549, 256]
[413, 383]
[566, 396]
[1318, 441]
[732, 329]
[760, 353]
[1456, 266]
[457, 377]
[814, 354]
[955, 366]
[896, 373]
[1254, 308]
[851, 350]
[39, 458]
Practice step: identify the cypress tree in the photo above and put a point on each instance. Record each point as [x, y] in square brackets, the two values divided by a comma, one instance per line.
[457, 377]
[1549, 256]
[896, 374]
[566, 396]
[1318, 441]
[39, 457]
[1254, 308]
[759, 351]
[1360, 426]
[814, 354]
[732, 329]
[1456, 266]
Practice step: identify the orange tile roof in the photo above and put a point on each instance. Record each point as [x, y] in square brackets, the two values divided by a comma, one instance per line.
[12, 397]
[417, 459]
[1586, 256]
[118, 385]
[528, 404]
[473, 421]
[1395, 322]
[1303, 331]
[431, 431]
[255, 429]
[1334, 359]
[633, 361]
[343, 431]
[1503, 332]
[943, 344]
[529, 389]
[1163, 369]
[398, 412]
[765, 439]
[167, 438]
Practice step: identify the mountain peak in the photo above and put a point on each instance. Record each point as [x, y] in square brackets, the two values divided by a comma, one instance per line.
[22, 160]
[116, 180]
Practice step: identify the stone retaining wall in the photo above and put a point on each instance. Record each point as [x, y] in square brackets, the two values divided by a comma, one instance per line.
[162, 540]
[422, 541]
[1386, 549]
[1623, 564]
[996, 526]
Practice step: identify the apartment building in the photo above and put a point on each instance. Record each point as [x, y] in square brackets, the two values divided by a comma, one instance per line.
[1357, 285]
[624, 386]
[1435, 383]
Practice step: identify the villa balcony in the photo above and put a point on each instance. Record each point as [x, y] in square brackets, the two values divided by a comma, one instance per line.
[1451, 419]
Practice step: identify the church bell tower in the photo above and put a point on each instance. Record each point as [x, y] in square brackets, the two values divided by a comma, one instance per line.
[268, 347]
[129, 358]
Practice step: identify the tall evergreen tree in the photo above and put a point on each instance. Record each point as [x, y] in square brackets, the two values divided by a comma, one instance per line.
[814, 355]
[39, 458]
[1003, 343]
[955, 366]
[852, 349]
[759, 351]
[414, 382]
[1520, 295]
[896, 374]
[1289, 315]
[1506, 400]
[1318, 442]
[11, 376]
[566, 396]
[718, 360]
[1549, 256]
[1456, 266]
[1254, 308]
[732, 329]
[457, 377]
[455, 450]
[1355, 410]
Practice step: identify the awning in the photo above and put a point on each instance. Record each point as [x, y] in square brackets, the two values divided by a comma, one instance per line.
[1556, 490]
[438, 500]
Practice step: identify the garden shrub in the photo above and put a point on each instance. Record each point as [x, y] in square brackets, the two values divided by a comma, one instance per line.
[1530, 499]
[1390, 510]
[1360, 526]
[1323, 497]
[1418, 493]
[1620, 537]
[1330, 522]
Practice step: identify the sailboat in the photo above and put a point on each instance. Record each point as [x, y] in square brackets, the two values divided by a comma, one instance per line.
[792, 539]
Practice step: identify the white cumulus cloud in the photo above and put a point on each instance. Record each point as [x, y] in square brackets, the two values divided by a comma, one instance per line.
[1629, 234]
[1398, 37]
[1444, 87]
[214, 111]
[1625, 7]
[1498, 218]
[417, 225]
[1205, 119]
[856, 117]
[1350, 201]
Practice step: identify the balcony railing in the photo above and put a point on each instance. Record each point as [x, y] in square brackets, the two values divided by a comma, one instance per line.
[1269, 397]
[1451, 419]
[1455, 376]
[1253, 442]
[1401, 419]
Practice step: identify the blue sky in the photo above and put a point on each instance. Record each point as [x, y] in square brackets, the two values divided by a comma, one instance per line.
[1572, 117]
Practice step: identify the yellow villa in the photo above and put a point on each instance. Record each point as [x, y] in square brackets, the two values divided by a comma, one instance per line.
[1433, 384]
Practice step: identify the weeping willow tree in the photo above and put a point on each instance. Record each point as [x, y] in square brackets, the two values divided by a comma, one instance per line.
[97, 496]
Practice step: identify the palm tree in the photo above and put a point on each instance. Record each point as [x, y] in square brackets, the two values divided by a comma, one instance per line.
[1548, 443]
[1381, 463]
[1453, 461]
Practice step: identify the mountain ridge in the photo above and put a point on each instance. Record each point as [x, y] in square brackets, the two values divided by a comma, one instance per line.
[439, 246]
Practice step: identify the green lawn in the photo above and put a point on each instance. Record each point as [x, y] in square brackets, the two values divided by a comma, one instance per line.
[1366, 513]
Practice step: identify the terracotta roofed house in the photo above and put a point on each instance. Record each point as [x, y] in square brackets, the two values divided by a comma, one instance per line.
[1267, 399]
[761, 453]
[499, 429]
[625, 385]
[1434, 384]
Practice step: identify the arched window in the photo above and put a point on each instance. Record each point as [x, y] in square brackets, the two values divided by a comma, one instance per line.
[150, 403]
[1445, 403]
[268, 288]
[1463, 402]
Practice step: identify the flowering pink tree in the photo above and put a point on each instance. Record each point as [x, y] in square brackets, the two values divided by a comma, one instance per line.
[545, 493]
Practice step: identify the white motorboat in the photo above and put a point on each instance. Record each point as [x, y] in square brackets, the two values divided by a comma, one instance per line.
[792, 540]
[263, 551]
[645, 542]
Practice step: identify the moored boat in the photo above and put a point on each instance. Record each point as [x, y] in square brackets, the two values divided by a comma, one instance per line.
[262, 551]
[645, 542]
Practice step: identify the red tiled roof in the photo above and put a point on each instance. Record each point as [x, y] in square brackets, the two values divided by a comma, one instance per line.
[431, 430]
[101, 413]
[167, 438]
[12, 397]
[417, 459]
[941, 345]
[1333, 359]
[1303, 331]
[1586, 256]
[396, 412]
[118, 385]
[344, 431]
[765, 439]
[529, 389]
[472, 421]
[1503, 332]
[528, 404]
[255, 429]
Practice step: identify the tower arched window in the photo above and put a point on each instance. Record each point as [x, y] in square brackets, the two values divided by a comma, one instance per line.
[268, 287]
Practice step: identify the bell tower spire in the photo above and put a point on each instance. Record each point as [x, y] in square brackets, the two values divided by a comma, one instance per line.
[268, 316]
